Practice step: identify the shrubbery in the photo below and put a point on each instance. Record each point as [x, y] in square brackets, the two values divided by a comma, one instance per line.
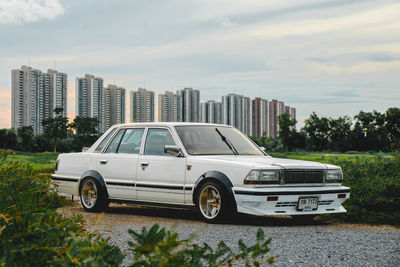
[375, 187]
[32, 233]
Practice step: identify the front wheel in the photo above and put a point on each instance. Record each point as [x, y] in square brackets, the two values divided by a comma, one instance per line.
[93, 197]
[213, 202]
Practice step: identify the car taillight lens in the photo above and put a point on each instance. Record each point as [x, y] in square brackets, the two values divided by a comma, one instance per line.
[341, 196]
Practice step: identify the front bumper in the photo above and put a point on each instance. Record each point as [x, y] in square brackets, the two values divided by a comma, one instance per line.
[254, 200]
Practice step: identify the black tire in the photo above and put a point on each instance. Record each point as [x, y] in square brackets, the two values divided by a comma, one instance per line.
[304, 218]
[225, 202]
[95, 198]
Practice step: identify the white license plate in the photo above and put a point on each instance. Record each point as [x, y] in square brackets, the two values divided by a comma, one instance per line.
[307, 203]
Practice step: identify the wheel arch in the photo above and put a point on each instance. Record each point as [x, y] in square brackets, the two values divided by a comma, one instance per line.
[96, 175]
[213, 176]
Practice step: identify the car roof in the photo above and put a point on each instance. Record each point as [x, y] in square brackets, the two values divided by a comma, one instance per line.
[144, 124]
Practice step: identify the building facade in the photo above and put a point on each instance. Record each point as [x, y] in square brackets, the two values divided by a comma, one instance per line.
[190, 104]
[237, 112]
[142, 105]
[170, 107]
[89, 98]
[260, 117]
[211, 112]
[35, 95]
[114, 105]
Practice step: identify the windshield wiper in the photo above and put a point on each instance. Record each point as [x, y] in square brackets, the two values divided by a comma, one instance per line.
[227, 142]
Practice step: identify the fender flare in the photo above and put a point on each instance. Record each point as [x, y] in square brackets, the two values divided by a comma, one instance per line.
[213, 175]
[96, 175]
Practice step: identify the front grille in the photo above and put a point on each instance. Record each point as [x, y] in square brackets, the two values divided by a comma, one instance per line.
[304, 176]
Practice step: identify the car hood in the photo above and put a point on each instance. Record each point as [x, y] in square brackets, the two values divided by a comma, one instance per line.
[266, 161]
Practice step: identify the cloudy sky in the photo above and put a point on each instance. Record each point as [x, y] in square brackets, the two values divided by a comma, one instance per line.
[332, 57]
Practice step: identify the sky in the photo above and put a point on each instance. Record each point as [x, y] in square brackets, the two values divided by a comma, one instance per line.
[334, 58]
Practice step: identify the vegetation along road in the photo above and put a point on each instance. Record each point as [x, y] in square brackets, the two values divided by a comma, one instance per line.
[319, 243]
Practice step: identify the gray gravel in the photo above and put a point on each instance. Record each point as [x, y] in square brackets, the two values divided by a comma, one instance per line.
[318, 244]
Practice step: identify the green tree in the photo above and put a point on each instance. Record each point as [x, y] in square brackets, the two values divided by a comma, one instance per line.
[25, 138]
[286, 130]
[393, 127]
[8, 138]
[56, 128]
[86, 131]
[339, 133]
[316, 131]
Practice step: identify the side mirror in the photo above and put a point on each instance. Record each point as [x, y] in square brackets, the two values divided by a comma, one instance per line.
[172, 150]
[85, 149]
[262, 148]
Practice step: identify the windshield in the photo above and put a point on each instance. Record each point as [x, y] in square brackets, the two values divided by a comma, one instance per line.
[205, 140]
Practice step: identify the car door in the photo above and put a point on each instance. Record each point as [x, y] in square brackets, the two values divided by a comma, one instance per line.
[160, 177]
[118, 163]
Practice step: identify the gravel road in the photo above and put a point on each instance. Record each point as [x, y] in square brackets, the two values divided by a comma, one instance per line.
[316, 244]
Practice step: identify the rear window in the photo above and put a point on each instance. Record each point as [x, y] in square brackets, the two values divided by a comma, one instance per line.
[104, 142]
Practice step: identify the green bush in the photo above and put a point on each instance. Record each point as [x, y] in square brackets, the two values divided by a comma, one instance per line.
[374, 183]
[161, 247]
[32, 233]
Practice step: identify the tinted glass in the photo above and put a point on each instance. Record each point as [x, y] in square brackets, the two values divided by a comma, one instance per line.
[131, 141]
[156, 140]
[205, 140]
[112, 148]
[105, 140]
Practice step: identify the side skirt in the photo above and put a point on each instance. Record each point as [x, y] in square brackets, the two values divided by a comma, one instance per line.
[153, 204]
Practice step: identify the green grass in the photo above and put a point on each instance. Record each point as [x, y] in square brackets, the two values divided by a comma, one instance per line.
[43, 162]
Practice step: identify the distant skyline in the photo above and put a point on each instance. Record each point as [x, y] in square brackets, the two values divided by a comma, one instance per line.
[332, 57]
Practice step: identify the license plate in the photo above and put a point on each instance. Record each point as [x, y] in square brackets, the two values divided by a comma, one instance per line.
[307, 203]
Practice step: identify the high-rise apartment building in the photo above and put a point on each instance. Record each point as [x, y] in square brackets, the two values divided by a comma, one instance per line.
[170, 107]
[260, 117]
[273, 118]
[237, 112]
[211, 112]
[190, 104]
[89, 98]
[114, 105]
[35, 95]
[142, 105]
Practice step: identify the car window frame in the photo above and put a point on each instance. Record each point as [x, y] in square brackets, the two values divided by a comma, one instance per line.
[164, 128]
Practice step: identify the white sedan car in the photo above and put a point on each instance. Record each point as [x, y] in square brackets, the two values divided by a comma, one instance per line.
[212, 167]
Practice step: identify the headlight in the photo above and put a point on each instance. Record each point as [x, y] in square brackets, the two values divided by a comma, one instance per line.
[262, 177]
[334, 176]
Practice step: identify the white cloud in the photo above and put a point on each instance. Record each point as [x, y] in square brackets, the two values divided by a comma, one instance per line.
[20, 11]
[225, 22]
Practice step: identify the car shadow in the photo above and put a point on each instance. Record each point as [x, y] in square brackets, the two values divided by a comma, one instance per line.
[191, 215]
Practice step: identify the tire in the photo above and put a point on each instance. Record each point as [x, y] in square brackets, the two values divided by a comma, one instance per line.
[214, 202]
[93, 195]
[304, 218]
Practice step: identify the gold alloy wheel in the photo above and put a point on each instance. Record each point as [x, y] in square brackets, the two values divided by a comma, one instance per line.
[210, 202]
[89, 194]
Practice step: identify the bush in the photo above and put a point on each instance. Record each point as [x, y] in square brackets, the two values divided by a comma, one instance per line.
[374, 183]
[161, 247]
[32, 233]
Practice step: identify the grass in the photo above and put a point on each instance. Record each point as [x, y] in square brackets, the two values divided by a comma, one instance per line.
[43, 162]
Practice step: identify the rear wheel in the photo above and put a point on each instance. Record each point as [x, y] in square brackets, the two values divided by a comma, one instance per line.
[213, 202]
[93, 196]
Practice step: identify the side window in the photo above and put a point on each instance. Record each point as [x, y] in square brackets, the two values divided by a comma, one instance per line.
[113, 147]
[156, 140]
[105, 140]
[131, 141]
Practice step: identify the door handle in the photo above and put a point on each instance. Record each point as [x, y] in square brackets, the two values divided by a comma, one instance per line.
[144, 164]
[103, 161]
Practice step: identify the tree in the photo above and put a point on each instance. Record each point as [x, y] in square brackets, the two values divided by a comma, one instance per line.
[393, 127]
[8, 139]
[25, 138]
[86, 131]
[339, 133]
[56, 128]
[286, 130]
[316, 131]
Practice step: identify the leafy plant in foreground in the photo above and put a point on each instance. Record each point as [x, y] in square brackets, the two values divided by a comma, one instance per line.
[161, 247]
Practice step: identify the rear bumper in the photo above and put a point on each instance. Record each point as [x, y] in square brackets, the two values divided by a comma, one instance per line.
[254, 200]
